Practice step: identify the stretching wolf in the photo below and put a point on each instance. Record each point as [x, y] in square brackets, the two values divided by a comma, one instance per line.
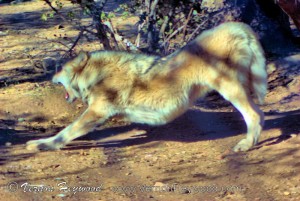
[153, 90]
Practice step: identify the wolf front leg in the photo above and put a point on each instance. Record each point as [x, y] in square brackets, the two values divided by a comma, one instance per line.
[84, 124]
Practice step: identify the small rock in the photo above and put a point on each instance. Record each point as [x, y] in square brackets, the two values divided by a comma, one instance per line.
[21, 119]
[286, 193]
[185, 191]
[55, 166]
[271, 68]
[159, 184]
[148, 156]
[60, 26]
[59, 179]
[293, 135]
[80, 105]
[83, 153]
[155, 158]
[61, 195]
[177, 161]
[8, 144]
[2, 33]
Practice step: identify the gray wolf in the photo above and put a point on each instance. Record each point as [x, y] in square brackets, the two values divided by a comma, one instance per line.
[155, 90]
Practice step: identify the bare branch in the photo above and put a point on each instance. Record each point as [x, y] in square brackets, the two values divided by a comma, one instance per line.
[56, 11]
[112, 31]
[118, 39]
[76, 41]
[151, 25]
[173, 34]
[164, 26]
[197, 29]
[186, 23]
[138, 37]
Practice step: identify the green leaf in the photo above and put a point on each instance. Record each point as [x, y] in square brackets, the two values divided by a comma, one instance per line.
[59, 4]
[71, 14]
[44, 17]
[103, 16]
[125, 14]
[111, 15]
[86, 11]
[117, 9]
[160, 22]
[51, 14]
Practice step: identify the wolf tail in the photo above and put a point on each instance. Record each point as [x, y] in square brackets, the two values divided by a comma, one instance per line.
[251, 62]
[258, 72]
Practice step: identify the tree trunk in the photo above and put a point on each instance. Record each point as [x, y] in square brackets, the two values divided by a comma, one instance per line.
[96, 9]
[264, 16]
[292, 8]
[152, 38]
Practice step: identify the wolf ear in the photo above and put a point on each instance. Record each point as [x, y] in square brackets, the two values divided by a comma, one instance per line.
[80, 61]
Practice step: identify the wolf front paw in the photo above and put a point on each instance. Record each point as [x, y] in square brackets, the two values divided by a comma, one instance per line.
[243, 145]
[42, 145]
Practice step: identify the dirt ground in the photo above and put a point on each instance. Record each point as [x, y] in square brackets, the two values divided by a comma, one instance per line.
[188, 159]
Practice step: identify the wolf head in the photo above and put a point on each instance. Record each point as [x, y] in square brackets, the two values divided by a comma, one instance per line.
[67, 76]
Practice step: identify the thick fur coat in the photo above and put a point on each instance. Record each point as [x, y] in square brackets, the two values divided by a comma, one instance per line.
[153, 90]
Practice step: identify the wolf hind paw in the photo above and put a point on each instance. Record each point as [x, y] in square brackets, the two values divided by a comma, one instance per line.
[243, 145]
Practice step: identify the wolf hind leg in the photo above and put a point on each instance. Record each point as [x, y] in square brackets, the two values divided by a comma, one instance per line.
[85, 123]
[234, 92]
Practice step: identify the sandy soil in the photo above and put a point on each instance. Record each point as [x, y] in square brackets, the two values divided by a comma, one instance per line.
[188, 159]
